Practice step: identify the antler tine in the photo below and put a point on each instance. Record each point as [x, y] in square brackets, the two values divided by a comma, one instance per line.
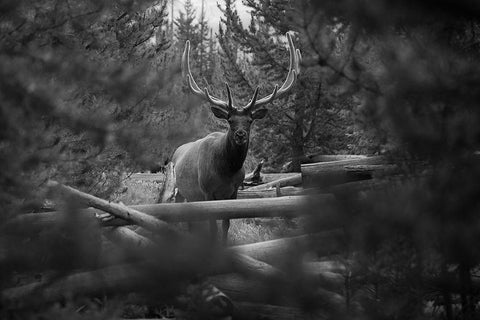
[253, 100]
[293, 71]
[187, 72]
[292, 68]
[229, 93]
[299, 60]
[214, 100]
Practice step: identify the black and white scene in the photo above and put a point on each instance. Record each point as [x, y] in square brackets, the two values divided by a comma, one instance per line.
[239, 159]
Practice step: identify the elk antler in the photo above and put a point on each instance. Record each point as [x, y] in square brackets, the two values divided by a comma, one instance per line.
[186, 72]
[293, 71]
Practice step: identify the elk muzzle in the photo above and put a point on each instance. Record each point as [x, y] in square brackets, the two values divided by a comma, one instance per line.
[240, 137]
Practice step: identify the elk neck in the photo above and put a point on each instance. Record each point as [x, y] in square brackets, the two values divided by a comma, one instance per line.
[233, 154]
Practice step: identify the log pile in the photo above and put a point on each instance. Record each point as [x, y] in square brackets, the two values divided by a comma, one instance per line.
[256, 278]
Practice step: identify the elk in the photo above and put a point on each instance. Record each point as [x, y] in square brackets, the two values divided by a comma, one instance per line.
[211, 168]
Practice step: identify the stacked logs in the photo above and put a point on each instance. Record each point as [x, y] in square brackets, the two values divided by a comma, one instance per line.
[236, 280]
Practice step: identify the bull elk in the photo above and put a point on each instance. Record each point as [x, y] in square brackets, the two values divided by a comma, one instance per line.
[211, 168]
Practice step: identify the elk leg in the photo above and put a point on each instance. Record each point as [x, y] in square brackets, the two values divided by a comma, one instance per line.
[225, 227]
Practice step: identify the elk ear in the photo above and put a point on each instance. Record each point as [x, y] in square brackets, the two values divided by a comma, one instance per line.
[259, 114]
[219, 113]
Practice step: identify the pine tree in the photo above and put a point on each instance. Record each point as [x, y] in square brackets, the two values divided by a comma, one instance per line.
[211, 57]
[203, 40]
[293, 121]
[187, 27]
[86, 88]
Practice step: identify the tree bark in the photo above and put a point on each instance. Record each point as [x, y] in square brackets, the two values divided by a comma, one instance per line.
[324, 174]
[351, 189]
[270, 193]
[297, 139]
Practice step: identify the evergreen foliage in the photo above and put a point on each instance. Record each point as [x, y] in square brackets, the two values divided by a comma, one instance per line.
[77, 81]
[414, 68]
[309, 120]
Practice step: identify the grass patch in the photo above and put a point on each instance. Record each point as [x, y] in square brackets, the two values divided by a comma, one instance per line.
[138, 190]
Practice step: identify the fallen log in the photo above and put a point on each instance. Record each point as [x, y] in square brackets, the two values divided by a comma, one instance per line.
[333, 157]
[370, 170]
[114, 280]
[129, 278]
[288, 167]
[255, 194]
[292, 180]
[272, 176]
[323, 174]
[352, 189]
[250, 310]
[130, 241]
[229, 209]
[241, 262]
[128, 214]
[239, 288]
[182, 212]
[283, 293]
[328, 274]
[280, 251]
[332, 266]
[270, 193]
[226, 260]
[246, 258]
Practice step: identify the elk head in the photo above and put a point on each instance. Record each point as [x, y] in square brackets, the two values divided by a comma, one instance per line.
[241, 118]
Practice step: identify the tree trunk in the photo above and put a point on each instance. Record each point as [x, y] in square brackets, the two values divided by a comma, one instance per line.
[296, 141]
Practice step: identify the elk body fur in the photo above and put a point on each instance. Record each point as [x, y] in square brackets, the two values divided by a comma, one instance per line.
[211, 168]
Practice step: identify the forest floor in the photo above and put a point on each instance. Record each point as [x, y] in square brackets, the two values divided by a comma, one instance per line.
[145, 189]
